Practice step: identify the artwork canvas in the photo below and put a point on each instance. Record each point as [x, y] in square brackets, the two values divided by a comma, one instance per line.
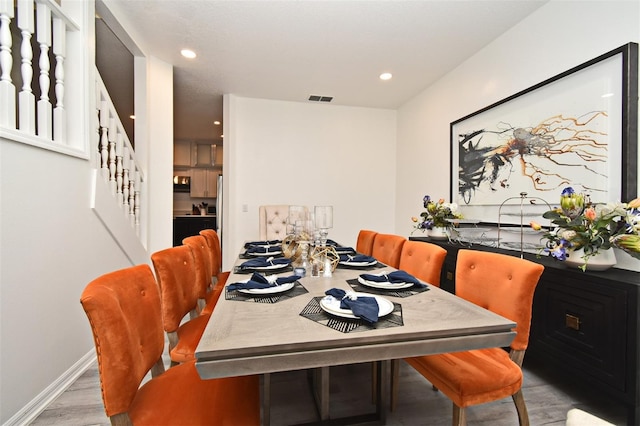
[566, 131]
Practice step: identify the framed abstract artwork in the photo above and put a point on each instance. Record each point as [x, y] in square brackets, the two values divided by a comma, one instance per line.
[579, 129]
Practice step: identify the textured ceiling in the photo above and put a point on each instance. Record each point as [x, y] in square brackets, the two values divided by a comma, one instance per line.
[288, 50]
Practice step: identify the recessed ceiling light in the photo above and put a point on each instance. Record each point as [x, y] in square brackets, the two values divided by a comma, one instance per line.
[188, 53]
[217, 123]
[386, 76]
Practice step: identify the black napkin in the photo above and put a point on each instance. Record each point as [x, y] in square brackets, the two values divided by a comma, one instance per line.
[395, 277]
[262, 243]
[364, 307]
[262, 262]
[258, 281]
[358, 258]
[263, 249]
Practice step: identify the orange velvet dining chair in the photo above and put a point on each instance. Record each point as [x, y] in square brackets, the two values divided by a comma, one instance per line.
[387, 249]
[364, 243]
[123, 308]
[177, 272]
[504, 285]
[424, 261]
[219, 277]
[208, 290]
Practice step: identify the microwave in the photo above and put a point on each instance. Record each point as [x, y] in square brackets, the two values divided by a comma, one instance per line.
[181, 184]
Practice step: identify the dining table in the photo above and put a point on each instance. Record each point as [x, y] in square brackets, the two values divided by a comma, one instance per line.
[261, 333]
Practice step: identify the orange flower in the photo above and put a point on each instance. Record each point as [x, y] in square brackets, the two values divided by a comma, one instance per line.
[413, 218]
[441, 201]
[590, 214]
[634, 204]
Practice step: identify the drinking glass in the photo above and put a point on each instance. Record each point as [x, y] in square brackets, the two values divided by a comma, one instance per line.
[323, 221]
[296, 213]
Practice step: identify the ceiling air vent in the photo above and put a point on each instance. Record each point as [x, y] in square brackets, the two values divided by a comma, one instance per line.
[318, 98]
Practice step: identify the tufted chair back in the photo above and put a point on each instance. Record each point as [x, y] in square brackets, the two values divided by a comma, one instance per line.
[215, 250]
[123, 308]
[202, 262]
[423, 261]
[364, 244]
[502, 284]
[387, 249]
[273, 222]
[176, 273]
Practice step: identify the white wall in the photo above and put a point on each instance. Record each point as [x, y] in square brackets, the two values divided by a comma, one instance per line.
[556, 37]
[52, 243]
[309, 154]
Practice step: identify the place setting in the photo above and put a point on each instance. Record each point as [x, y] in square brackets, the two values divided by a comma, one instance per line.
[265, 288]
[263, 264]
[255, 251]
[359, 261]
[353, 311]
[396, 284]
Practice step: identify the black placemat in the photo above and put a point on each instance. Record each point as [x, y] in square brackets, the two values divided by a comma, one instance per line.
[363, 268]
[297, 290]
[405, 292]
[314, 312]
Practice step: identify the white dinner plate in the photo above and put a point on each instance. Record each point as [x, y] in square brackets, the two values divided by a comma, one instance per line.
[385, 306]
[384, 285]
[266, 268]
[347, 263]
[269, 253]
[270, 290]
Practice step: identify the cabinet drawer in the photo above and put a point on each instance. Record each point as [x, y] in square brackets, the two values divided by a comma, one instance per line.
[583, 325]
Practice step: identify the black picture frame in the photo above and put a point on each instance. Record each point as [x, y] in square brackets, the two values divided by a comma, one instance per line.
[470, 160]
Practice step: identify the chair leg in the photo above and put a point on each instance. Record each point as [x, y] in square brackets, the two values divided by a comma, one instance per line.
[395, 381]
[521, 407]
[459, 416]
[374, 382]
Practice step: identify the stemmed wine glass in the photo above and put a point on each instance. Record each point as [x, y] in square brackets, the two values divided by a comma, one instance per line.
[296, 214]
[324, 221]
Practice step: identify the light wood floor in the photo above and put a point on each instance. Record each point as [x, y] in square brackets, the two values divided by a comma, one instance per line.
[548, 399]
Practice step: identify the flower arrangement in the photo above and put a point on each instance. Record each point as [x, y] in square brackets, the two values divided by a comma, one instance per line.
[436, 214]
[580, 224]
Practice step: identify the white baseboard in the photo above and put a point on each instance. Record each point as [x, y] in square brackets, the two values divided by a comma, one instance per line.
[33, 409]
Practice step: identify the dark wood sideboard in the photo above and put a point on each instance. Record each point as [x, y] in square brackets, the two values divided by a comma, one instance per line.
[584, 324]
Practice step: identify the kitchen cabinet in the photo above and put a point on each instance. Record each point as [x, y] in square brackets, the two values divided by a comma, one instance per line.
[584, 325]
[204, 183]
[196, 154]
[182, 154]
[205, 155]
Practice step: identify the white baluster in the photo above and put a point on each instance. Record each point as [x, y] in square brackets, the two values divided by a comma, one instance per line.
[132, 195]
[112, 156]
[119, 169]
[59, 50]
[43, 36]
[26, 98]
[126, 164]
[7, 89]
[104, 140]
[137, 205]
